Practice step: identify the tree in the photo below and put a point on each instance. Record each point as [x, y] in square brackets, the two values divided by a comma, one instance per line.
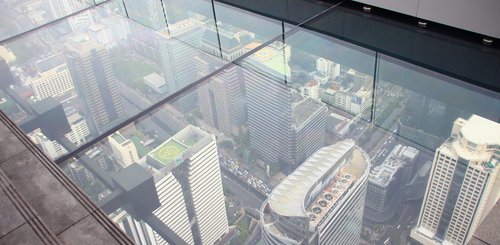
[227, 144]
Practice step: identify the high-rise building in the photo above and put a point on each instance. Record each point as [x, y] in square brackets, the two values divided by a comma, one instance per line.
[124, 149]
[148, 13]
[60, 9]
[90, 67]
[384, 193]
[176, 48]
[284, 127]
[188, 180]
[464, 183]
[322, 201]
[221, 99]
[140, 232]
[52, 83]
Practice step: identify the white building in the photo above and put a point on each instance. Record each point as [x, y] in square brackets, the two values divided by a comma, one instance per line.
[140, 232]
[311, 89]
[175, 49]
[124, 149]
[79, 129]
[52, 83]
[464, 183]
[77, 135]
[331, 69]
[52, 148]
[188, 180]
[322, 201]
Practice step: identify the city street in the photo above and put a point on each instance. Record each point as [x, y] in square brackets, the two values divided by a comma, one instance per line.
[406, 220]
[239, 190]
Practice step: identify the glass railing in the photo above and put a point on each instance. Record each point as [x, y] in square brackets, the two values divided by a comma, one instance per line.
[208, 122]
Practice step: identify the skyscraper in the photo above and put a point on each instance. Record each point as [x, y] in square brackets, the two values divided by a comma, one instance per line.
[176, 48]
[322, 201]
[464, 183]
[189, 185]
[285, 128]
[148, 13]
[52, 83]
[222, 101]
[140, 232]
[90, 67]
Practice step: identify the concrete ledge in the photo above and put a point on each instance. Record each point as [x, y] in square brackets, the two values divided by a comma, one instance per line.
[40, 204]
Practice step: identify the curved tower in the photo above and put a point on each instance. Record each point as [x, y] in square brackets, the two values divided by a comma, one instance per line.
[322, 201]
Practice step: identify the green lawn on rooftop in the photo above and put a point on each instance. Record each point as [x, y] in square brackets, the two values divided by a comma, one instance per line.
[141, 149]
[168, 151]
[132, 72]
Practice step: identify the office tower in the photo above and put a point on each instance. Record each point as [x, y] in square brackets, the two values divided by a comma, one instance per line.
[322, 201]
[284, 128]
[140, 232]
[386, 182]
[148, 13]
[63, 8]
[102, 33]
[464, 183]
[222, 99]
[188, 181]
[52, 83]
[90, 67]
[177, 45]
[123, 149]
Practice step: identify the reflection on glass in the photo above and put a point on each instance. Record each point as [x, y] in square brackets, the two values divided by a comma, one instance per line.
[98, 66]
[148, 13]
[280, 139]
[422, 105]
[21, 16]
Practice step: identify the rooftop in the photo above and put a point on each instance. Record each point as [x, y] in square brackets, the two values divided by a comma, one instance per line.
[173, 149]
[271, 58]
[290, 196]
[118, 138]
[304, 109]
[400, 156]
[481, 131]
